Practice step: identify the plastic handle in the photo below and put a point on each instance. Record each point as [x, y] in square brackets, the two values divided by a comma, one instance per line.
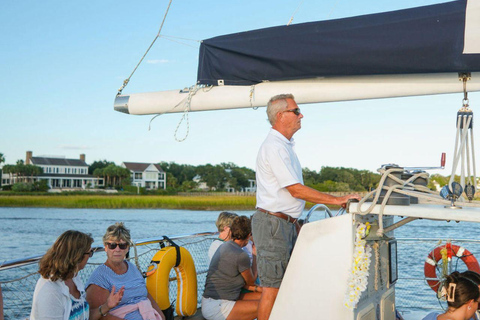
[443, 159]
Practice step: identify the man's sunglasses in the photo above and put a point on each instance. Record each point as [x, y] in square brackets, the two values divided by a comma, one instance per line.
[295, 111]
[90, 253]
[113, 245]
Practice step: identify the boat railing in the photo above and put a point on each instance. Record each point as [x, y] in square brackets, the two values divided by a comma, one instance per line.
[318, 207]
[18, 277]
[413, 294]
[158, 240]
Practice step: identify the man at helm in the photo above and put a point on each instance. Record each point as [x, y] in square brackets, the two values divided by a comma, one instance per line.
[281, 197]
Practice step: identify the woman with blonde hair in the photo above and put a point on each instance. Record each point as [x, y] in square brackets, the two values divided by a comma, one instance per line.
[137, 303]
[462, 296]
[59, 293]
[223, 223]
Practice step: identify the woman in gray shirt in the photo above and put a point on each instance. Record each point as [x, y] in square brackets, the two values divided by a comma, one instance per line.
[228, 273]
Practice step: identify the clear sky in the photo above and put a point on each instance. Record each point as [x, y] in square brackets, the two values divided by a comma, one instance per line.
[62, 62]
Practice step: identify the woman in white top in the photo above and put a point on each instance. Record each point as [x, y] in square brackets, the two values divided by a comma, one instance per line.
[59, 293]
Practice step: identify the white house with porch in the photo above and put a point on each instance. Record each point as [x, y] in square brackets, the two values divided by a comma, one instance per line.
[59, 172]
[147, 175]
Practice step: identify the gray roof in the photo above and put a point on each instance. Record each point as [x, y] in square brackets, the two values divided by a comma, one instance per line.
[58, 162]
[62, 175]
[140, 166]
[158, 167]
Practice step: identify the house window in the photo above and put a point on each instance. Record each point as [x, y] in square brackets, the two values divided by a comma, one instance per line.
[138, 175]
[161, 176]
[150, 175]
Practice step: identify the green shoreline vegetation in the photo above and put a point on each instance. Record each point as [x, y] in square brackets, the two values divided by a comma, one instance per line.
[132, 202]
[187, 187]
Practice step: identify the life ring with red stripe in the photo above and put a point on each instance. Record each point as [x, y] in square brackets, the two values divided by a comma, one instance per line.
[452, 250]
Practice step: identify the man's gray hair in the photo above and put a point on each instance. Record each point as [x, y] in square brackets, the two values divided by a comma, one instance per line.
[276, 104]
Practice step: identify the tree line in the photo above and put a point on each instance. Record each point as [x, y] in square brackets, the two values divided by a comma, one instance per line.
[25, 176]
[23, 172]
[113, 175]
[216, 177]
[185, 177]
[340, 179]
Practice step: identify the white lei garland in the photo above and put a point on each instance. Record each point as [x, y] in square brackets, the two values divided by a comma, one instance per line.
[358, 280]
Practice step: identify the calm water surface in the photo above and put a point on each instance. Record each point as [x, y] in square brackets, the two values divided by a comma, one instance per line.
[31, 231]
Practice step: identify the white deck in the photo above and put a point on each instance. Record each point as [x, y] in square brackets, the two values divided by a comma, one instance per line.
[424, 211]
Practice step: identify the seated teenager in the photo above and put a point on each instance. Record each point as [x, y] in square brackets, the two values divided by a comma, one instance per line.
[462, 296]
[228, 273]
[223, 223]
[137, 303]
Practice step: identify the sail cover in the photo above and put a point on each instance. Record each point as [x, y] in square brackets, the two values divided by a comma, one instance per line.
[427, 39]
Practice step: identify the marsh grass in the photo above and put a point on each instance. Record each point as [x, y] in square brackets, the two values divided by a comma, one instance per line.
[116, 201]
[130, 202]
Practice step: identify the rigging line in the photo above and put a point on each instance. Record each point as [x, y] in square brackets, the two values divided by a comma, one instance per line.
[150, 123]
[187, 39]
[185, 101]
[291, 19]
[125, 82]
[179, 42]
[333, 9]
[185, 116]
[473, 159]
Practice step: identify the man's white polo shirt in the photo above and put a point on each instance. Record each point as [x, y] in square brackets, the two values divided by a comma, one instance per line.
[277, 168]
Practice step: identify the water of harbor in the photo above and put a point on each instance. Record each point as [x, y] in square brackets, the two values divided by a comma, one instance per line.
[30, 231]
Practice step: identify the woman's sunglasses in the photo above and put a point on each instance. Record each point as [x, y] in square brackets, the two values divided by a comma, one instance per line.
[113, 245]
[90, 253]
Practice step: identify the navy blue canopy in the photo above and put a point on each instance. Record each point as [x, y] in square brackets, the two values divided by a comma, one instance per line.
[426, 39]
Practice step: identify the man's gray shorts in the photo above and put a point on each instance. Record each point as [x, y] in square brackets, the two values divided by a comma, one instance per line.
[274, 239]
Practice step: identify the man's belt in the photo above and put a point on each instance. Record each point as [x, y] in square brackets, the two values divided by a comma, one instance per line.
[280, 215]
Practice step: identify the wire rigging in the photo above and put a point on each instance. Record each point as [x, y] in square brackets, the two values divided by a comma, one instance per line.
[173, 39]
[126, 81]
[464, 152]
[291, 18]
